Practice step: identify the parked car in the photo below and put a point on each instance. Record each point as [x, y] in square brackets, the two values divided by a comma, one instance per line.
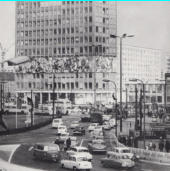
[46, 151]
[76, 162]
[56, 123]
[112, 122]
[81, 151]
[85, 118]
[117, 160]
[74, 124]
[154, 118]
[122, 150]
[92, 126]
[79, 131]
[61, 129]
[97, 146]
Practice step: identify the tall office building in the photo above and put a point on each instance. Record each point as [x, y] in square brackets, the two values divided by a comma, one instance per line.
[65, 28]
[70, 39]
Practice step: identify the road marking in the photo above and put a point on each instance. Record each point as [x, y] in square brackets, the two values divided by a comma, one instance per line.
[12, 153]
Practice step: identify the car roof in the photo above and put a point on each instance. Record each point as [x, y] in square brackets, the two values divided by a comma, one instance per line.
[47, 144]
[122, 148]
[80, 147]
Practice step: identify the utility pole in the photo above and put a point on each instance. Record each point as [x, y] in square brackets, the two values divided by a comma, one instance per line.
[31, 110]
[136, 106]
[141, 112]
[53, 94]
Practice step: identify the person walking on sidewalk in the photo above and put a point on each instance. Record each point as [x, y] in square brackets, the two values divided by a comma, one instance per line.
[167, 146]
[154, 146]
[161, 145]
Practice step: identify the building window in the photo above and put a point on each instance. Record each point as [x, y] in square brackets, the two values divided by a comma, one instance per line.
[90, 75]
[90, 85]
[85, 85]
[77, 84]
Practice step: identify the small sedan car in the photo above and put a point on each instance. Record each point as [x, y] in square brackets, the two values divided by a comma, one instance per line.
[92, 126]
[97, 146]
[81, 151]
[74, 124]
[61, 129]
[76, 162]
[46, 151]
[61, 138]
[106, 126]
[79, 131]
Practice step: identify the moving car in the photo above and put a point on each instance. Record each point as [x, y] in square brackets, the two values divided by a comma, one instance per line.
[122, 150]
[85, 118]
[61, 138]
[76, 162]
[56, 123]
[46, 151]
[117, 160]
[106, 126]
[74, 124]
[107, 117]
[97, 146]
[61, 129]
[92, 126]
[81, 151]
[79, 131]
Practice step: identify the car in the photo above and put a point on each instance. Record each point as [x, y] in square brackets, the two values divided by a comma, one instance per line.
[154, 118]
[61, 138]
[122, 150]
[107, 117]
[46, 151]
[61, 129]
[106, 126]
[92, 126]
[112, 122]
[76, 162]
[74, 124]
[79, 131]
[98, 128]
[85, 118]
[56, 123]
[81, 151]
[117, 160]
[97, 146]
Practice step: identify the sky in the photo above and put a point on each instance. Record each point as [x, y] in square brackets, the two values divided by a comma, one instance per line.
[148, 21]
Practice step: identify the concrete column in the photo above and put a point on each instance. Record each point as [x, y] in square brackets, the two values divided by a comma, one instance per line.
[40, 98]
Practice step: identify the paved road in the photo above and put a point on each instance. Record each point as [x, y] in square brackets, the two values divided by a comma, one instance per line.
[24, 157]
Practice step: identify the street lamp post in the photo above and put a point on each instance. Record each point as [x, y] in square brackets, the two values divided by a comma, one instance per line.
[143, 85]
[121, 41]
[105, 80]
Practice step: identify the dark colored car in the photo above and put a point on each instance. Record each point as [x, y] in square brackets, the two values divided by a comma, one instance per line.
[47, 151]
[79, 131]
[85, 118]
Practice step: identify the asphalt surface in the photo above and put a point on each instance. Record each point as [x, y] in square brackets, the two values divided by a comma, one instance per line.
[23, 155]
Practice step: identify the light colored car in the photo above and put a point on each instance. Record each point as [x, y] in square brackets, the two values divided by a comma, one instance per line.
[154, 118]
[92, 126]
[123, 150]
[74, 124]
[76, 162]
[106, 126]
[97, 145]
[46, 151]
[56, 123]
[117, 160]
[61, 129]
[107, 117]
[61, 138]
[112, 122]
[81, 151]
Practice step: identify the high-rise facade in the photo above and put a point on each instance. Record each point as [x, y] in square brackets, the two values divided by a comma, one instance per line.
[69, 40]
[65, 28]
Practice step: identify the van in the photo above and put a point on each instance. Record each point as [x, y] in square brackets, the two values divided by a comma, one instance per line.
[56, 123]
[46, 151]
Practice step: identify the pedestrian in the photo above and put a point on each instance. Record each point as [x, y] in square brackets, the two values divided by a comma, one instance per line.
[167, 146]
[161, 146]
[68, 143]
[150, 145]
[2, 121]
[154, 146]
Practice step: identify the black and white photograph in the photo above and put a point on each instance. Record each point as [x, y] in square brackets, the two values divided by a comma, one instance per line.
[85, 85]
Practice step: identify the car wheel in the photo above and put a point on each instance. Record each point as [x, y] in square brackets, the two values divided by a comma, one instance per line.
[62, 166]
[74, 168]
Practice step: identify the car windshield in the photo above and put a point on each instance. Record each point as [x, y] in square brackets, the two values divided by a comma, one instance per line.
[56, 121]
[125, 157]
[83, 150]
[82, 159]
[125, 151]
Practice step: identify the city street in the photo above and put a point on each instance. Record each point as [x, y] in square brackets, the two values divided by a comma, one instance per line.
[23, 155]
